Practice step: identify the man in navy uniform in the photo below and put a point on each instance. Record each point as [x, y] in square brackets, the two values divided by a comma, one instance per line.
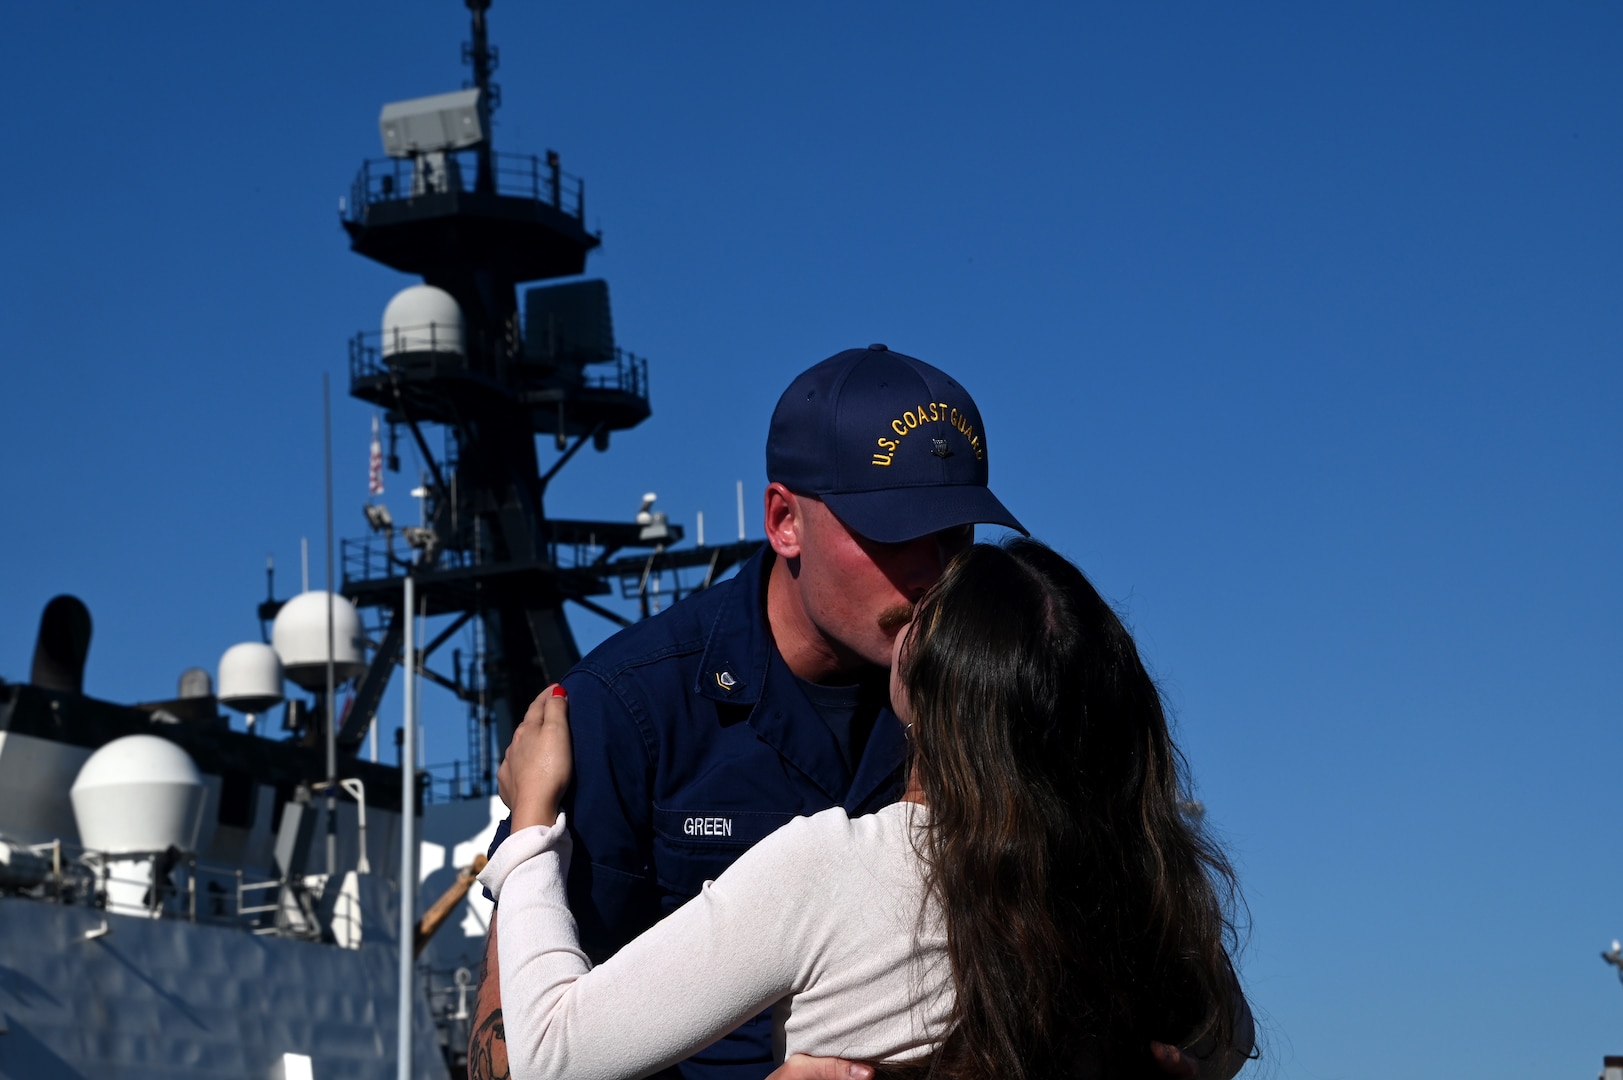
[700, 731]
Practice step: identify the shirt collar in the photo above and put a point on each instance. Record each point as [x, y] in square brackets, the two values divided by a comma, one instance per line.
[739, 648]
[737, 656]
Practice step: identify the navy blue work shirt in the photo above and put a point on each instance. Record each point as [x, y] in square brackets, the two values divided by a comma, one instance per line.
[693, 740]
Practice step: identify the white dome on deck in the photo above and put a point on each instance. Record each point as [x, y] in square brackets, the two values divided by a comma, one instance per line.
[251, 677]
[422, 319]
[300, 637]
[140, 793]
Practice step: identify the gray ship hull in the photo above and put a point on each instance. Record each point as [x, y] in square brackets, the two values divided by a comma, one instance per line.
[166, 1000]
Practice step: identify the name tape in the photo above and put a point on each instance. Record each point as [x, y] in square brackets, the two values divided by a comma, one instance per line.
[707, 826]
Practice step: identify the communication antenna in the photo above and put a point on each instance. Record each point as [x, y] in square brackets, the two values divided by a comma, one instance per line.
[484, 58]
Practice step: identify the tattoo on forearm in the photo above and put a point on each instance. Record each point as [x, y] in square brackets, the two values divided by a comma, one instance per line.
[487, 1050]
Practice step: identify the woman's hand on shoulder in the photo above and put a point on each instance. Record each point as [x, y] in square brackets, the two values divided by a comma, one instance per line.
[539, 763]
[1172, 1061]
[801, 1067]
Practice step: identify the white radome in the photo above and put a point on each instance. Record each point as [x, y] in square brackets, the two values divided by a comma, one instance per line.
[250, 677]
[422, 319]
[140, 793]
[300, 637]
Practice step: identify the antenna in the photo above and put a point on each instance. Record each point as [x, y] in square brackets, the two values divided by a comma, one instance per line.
[330, 718]
[741, 511]
[480, 55]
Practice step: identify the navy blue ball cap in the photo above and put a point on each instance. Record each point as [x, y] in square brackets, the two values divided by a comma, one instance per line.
[893, 446]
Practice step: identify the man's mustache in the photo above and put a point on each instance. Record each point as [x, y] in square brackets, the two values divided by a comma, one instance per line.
[895, 617]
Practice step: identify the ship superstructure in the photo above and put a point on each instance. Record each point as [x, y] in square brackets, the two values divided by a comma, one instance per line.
[168, 905]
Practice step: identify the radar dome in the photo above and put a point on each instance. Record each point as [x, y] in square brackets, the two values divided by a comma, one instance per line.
[251, 677]
[422, 319]
[139, 793]
[195, 683]
[300, 637]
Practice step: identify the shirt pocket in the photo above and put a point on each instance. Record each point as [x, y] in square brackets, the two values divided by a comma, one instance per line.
[693, 846]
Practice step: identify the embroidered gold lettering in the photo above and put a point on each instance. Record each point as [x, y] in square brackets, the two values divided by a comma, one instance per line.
[935, 411]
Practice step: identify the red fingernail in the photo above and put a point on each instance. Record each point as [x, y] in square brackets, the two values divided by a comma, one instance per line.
[558, 691]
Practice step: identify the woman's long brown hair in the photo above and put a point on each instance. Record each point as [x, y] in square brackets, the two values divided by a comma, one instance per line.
[1085, 915]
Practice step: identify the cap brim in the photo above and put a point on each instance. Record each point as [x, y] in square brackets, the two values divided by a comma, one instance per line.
[901, 514]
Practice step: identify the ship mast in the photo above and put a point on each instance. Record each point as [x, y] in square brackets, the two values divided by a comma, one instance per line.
[488, 551]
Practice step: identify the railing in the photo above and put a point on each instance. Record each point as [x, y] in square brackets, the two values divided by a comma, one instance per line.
[633, 373]
[369, 557]
[375, 557]
[443, 347]
[177, 887]
[438, 344]
[454, 781]
[629, 375]
[382, 180]
[204, 893]
[245, 909]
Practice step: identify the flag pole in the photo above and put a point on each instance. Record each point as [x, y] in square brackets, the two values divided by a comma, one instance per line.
[408, 833]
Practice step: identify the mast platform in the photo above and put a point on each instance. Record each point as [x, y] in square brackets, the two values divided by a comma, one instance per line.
[436, 213]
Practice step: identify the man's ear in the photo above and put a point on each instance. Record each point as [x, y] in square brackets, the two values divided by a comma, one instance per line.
[783, 521]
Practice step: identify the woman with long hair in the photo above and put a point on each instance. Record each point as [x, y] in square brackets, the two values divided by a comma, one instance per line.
[1037, 905]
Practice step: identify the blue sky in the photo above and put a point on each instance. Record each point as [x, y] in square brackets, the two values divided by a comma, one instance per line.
[1296, 325]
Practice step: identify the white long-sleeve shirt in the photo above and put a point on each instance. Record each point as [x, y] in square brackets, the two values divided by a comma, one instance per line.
[826, 918]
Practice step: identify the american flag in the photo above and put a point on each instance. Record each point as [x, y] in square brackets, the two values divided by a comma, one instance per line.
[374, 485]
